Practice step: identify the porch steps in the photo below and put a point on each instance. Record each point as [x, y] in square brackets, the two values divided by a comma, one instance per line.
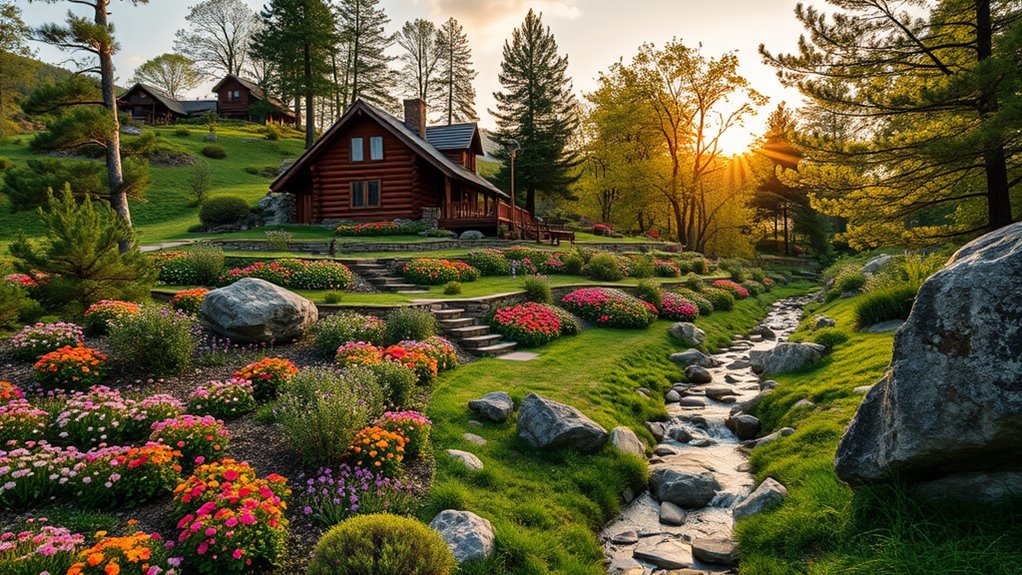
[383, 277]
[470, 333]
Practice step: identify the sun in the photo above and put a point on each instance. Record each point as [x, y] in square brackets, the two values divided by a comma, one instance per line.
[737, 141]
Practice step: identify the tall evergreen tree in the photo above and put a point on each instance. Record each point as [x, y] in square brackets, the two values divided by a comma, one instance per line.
[298, 37]
[536, 110]
[457, 97]
[14, 68]
[368, 76]
[421, 57]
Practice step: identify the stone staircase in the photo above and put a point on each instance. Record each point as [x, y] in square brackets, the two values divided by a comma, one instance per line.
[474, 336]
[383, 277]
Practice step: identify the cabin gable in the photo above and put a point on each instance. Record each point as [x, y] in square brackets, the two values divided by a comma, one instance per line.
[233, 99]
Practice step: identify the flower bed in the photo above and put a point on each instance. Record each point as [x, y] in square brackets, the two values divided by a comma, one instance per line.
[432, 271]
[23, 280]
[437, 348]
[199, 439]
[70, 368]
[372, 229]
[38, 548]
[189, 300]
[610, 308]
[20, 421]
[295, 274]
[379, 450]
[412, 425]
[100, 315]
[34, 473]
[137, 554]
[666, 269]
[333, 496]
[358, 353]
[268, 376]
[174, 268]
[118, 476]
[36, 340]
[224, 399]
[489, 262]
[155, 408]
[9, 391]
[675, 307]
[100, 415]
[733, 288]
[530, 324]
[419, 360]
[336, 330]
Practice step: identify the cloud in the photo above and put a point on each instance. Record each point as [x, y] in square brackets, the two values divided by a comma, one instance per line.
[482, 18]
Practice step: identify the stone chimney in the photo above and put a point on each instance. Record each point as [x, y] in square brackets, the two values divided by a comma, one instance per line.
[415, 116]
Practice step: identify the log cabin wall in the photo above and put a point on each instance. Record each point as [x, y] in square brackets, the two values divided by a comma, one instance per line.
[144, 108]
[233, 108]
[464, 157]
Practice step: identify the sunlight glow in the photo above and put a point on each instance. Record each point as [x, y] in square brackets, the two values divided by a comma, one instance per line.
[737, 141]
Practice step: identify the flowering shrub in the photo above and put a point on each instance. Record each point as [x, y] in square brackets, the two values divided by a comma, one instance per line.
[35, 472]
[35, 340]
[438, 348]
[336, 330]
[380, 229]
[425, 367]
[721, 299]
[21, 421]
[231, 521]
[412, 425]
[225, 399]
[155, 408]
[753, 287]
[138, 554]
[70, 368]
[295, 274]
[569, 323]
[666, 269]
[189, 300]
[700, 301]
[733, 288]
[523, 267]
[172, 267]
[379, 450]
[610, 308]
[98, 416]
[38, 548]
[602, 230]
[119, 476]
[431, 271]
[768, 283]
[9, 391]
[199, 439]
[489, 262]
[333, 496]
[677, 308]
[358, 353]
[272, 272]
[267, 376]
[530, 324]
[551, 265]
[100, 315]
[23, 280]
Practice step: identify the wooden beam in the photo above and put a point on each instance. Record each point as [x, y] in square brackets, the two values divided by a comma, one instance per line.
[447, 188]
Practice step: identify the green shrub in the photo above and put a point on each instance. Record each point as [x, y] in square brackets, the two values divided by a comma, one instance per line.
[214, 152]
[603, 267]
[157, 340]
[693, 282]
[272, 133]
[381, 545]
[26, 186]
[569, 323]
[754, 287]
[489, 262]
[333, 331]
[397, 382]
[704, 305]
[722, 300]
[649, 291]
[410, 323]
[452, 288]
[13, 298]
[5, 164]
[573, 264]
[206, 262]
[849, 280]
[643, 267]
[223, 209]
[333, 297]
[182, 132]
[884, 305]
[537, 289]
[830, 337]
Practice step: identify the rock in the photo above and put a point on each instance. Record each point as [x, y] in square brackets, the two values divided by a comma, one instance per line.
[739, 364]
[547, 424]
[786, 356]
[625, 566]
[657, 429]
[276, 209]
[643, 392]
[665, 449]
[884, 326]
[719, 392]
[664, 553]
[625, 440]
[687, 334]
[986, 487]
[728, 378]
[702, 442]
[691, 402]
[715, 551]
[474, 423]
[698, 374]
[671, 514]
[255, 311]
[874, 265]
[629, 537]
[210, 137]
[469, 460]
[862, 389]
[822, 321]
[767, 439]
[767, 333]
[473, 438]
[672, 396]
[692, 357]
[751, 403]
[769, 494]
[469, 536]
[687, 484]
[743, 425]
[129, 130]
[804, 403]
[744, 467]
[951, 401]
[685, 433]
[495, 406]
[768, 384]
[472, 235]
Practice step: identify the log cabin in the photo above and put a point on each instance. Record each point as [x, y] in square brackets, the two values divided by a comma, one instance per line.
[149, 105]
[371, 166]
[241, 99]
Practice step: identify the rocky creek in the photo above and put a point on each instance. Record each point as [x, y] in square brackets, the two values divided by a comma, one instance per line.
[700, 478]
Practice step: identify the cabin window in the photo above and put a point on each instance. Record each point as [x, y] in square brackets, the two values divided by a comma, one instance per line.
[357, 150]
[365, 194]
[376, 148]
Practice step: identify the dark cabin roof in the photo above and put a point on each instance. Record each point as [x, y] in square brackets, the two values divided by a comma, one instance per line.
[453, 137]
[423, 148]
[255, 90]
[180, 107]
[198, 107]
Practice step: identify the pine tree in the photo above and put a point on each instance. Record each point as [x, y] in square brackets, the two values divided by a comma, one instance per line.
[537, 111]
[14, 68]
[367, 71]
[421, 56]
[457, 98]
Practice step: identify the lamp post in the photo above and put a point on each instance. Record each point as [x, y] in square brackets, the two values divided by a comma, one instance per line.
[512, 148]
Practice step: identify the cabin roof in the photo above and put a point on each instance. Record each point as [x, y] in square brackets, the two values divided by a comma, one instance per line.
[256, 91]
[453, 137]
[423, 148]
[180, 107]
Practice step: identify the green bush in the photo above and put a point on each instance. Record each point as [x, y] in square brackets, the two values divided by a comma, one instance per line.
[381, 545]
[26, 186]
[333, 331]
[214, 152]
[16, 307]
[693, 282]
[182, 132]
[397, 382]
[883, 305]
[643, 267]
[333, 297]
[569, 323]
[603, 267]
[5, 164]
[704, 305]
[158, 340]
[649, 292]
[223, 209]
[452, 288]
[410, 324]
[537, 289]
[489, 262]
[573, 264]
[754, 287]
[722, 300]
[849, 280]
[830, 337]
[206, 261]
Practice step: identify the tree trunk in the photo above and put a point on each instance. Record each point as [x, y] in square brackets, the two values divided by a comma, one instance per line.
[115, 172]
[995, 163]
[310, 104]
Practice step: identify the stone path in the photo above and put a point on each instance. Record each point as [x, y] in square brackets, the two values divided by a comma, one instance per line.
[699, 468]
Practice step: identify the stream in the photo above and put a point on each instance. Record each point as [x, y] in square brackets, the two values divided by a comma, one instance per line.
[699, 420]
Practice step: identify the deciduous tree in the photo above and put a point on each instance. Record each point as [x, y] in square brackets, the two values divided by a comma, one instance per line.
[218, 36]
[14, 68]
[171, 73]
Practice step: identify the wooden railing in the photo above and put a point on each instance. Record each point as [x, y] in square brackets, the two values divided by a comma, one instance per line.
[469, 211]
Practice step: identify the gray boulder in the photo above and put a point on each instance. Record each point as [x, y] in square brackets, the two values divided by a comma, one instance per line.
[664, 553]
[876, 264]
[951, 401]
[822, 321]
[276, 209]
[472, 235]
[671, 514]
[715, 551]
[698, 374]
[768, 439]
[625, 440]
[743, 425]
[254, 311]
[547, 424]
[469, 536]
[496, 406]
[688, 484]
[768, 495]
[688, 334]
[692, 357]
[129, 130]
[786, 356]
[469, 460]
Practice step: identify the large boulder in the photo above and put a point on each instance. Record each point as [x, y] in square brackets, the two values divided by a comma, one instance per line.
[495, 406]
[469, 536]
[687, 334]
[951, 401]
[627, 441]
[688, 484]
[785, 356]
[692, 357]
[698, 374]
[768, 495]
[876, 264]
[547, 424]
[254, 311]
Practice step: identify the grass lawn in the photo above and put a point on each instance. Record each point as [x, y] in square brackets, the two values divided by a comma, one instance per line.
[548, 507]
[823, 527]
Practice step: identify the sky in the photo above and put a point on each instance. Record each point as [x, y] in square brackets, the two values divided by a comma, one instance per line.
[593, 33]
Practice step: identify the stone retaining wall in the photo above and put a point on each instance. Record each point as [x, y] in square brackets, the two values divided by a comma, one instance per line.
[334, 247]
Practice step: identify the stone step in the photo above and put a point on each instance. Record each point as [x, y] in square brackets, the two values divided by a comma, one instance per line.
[450, 313]
[497, 349]
[480, 341]
[458, 322]
[399, 287]
[460, 333]
[412, 291]
[389, 280]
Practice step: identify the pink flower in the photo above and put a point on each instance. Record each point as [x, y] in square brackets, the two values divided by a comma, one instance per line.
[238, 553]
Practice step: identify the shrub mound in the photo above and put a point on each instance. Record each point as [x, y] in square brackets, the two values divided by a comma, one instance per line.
[223, 209]
[530, 324]
[381, 545]
[432, 271]
[336, 330]
[295, 274]
[610, 308]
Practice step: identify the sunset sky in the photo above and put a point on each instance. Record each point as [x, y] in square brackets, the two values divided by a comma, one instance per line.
[593, 33]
